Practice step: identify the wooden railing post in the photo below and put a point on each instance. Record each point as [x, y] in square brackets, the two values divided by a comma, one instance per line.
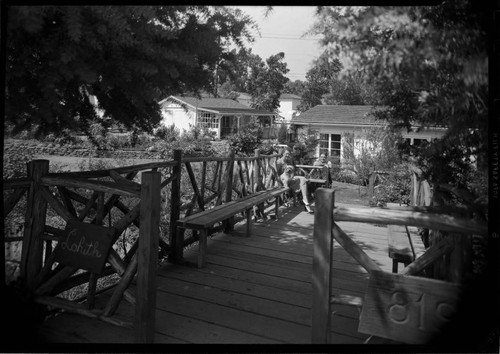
[149, 234]
[176, 241]
[322, 260]
[256, 173]
[229, 224]
[36, 210]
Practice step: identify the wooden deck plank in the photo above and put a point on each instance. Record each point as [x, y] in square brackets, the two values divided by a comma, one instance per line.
[230, 317]
[253, 290]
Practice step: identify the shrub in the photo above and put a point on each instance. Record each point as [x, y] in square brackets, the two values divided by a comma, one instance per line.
[282, 134]
[344, 176]
[246, 141]
[195, 142]
[167, 133]
[267, 148]
[303, 150]
[118, 141]
[373, 150]
[394, 188]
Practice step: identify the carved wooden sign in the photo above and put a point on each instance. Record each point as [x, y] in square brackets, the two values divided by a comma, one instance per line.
[85, 246]
[407, 309]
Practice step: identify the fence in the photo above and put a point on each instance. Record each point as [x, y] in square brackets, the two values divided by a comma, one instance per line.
[390, 298]
[77, 226]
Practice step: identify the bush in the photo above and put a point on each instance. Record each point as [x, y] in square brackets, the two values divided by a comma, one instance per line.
[167, 133]
[394, 188]
[373, 150]
[116, 142]
[303, 150]
[195, 142]
[344, 176]
[246, 141]
[267, 148]
[282, 134]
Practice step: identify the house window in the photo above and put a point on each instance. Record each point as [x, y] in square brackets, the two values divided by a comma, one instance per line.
[417, 142]
[329, 144]
[208, 120]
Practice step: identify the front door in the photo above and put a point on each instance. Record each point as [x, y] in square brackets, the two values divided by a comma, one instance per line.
[228, 126]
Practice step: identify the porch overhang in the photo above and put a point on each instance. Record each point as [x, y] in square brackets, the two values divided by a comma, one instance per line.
[237, 111]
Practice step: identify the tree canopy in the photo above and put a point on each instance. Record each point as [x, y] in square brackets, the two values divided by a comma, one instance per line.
[318, 80]
[296, 87]
[429, 66]
[128, 57]
[263, 80]
[266, 81]
[350, 89]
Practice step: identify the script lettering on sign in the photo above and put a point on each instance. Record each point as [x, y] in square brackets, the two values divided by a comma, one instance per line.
[85, 246]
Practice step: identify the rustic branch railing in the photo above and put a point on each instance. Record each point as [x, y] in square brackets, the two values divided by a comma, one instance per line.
[112, 199]
[383, 287]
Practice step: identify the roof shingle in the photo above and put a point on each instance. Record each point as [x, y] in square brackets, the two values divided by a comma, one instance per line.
[288, 96]
[221, 105]
[336, 114]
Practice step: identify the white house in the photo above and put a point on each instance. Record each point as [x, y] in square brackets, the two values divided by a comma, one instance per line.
[222, 116]
[288, 106]
[337, 122]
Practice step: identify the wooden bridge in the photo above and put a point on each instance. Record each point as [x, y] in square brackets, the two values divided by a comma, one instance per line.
[254, 290]
[281, 285]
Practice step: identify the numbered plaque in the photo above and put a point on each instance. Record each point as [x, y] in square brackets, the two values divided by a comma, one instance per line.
[407, 309]
[85, 246]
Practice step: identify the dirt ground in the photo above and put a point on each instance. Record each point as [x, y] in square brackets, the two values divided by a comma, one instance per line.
[350, 193]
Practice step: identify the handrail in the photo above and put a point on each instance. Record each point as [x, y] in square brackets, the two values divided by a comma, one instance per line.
[101, 186]
[326, 230]
[311, 166]
[354, 250]
[409, 218]
[247, 173]
[13, 183]
[105, 172]
[126, 169]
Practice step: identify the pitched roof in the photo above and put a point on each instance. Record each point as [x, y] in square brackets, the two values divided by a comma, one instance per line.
[288, 96]
[335, 114]
[218, 105]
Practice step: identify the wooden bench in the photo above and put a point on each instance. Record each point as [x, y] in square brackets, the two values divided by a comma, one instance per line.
[321, 182]
[309, 172]
[401, 248]
[207, 219]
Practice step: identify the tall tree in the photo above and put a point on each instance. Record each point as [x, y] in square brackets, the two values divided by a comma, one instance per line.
[266, 81]
[129, 57]
[296, 87]
[429, 65]
[318, 80]
[350, 89]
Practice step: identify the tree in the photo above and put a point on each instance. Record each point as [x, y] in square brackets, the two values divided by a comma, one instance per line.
[232, 73]
[247, 140]
[372, 150]
[318, 80]
[266, 81]
[350, 89]
[296, 87]
[129, 57]
[429, 65]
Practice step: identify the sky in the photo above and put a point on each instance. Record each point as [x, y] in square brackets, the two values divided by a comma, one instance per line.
[281, 31]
